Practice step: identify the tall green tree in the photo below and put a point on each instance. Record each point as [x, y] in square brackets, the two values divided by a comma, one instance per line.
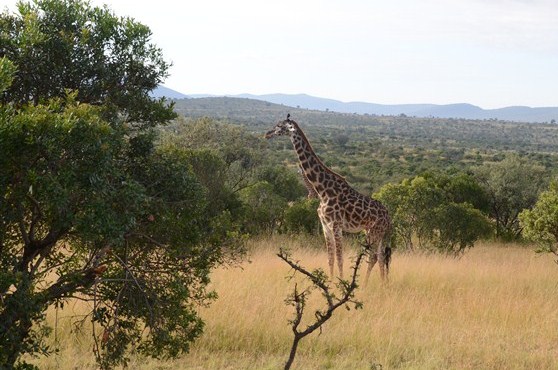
[410, 203]
[512, 185]
[90, 209]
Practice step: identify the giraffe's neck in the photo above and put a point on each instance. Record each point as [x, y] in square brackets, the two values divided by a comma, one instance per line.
[316, 172]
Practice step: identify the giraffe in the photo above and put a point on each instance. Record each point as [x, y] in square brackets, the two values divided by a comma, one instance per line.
[342, 208]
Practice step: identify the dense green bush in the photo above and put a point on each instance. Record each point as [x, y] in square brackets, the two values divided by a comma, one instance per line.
[540, 224]
[286, 182]
[240, 151]
[302, 217]
[264, 209]
[427, 215]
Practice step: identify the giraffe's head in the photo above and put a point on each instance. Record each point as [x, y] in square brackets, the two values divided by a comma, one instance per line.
[282, 128]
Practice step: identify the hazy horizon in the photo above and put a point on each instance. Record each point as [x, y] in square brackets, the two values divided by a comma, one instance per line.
[204, 94]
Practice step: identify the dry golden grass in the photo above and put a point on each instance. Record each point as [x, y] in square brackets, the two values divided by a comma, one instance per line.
[495, 308]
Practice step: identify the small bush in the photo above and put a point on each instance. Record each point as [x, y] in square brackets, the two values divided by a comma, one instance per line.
[302, 217]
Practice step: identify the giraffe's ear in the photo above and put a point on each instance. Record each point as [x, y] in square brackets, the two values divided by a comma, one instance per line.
[290, 127]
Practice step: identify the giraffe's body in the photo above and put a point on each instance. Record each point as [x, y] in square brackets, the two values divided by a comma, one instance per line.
[342, 208]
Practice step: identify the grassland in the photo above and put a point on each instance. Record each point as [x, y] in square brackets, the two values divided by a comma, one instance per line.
[495, 308]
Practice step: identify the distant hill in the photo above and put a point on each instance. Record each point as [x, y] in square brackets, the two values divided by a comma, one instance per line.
[427, 132]
[469, 111]
[463, 110]
[162, 91]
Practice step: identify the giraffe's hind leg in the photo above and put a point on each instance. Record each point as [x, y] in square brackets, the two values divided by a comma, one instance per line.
[382, 255]
[382, 260]
[372, 255]
[372, 259]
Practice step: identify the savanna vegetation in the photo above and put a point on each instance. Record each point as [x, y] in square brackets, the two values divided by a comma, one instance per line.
[125, 220]
[371, 151]
[494, 308]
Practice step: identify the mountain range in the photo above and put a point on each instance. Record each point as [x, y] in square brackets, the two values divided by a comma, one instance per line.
[461, 110]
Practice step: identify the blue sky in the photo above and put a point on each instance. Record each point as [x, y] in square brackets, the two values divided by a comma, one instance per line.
[491, 53]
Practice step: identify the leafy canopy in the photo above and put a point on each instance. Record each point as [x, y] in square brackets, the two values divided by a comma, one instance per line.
[90, 208]
[68, 44]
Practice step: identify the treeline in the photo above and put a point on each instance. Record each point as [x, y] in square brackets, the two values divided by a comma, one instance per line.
[374, 150]
[442, 209]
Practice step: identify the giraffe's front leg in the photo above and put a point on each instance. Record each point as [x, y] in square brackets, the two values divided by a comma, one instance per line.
[371, 241]
[338, 234]
[330, 242]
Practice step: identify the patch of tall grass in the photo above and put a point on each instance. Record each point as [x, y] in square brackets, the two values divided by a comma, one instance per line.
[494, 308]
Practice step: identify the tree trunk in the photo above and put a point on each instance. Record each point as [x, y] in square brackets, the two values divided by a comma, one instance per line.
[292, 355]
[15, 325]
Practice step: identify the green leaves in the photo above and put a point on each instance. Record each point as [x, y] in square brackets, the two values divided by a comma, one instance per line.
[75, 187]
[66, 161]
[263, 206]
[58, 45]
[540, 224]
[7, 72]
[301, 216]
[513, 185]
[454, 227]
[430, 210]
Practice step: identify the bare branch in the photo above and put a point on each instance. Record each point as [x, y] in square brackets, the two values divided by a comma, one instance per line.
[137, 283]
[319, 281]
[141, 235]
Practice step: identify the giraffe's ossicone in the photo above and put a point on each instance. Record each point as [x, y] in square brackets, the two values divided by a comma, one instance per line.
[341, 208]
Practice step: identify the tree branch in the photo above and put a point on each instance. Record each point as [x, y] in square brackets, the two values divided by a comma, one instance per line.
[125, 266]
[68, 284]
[21, 226]
[37, 215]
[141, 235]
[319, 281]
[35, 247]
